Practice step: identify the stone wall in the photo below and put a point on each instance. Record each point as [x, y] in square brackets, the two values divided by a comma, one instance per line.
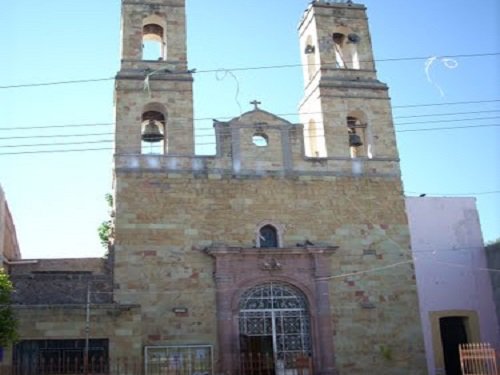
[50, 302]
[165, 221]
[119, 324]
[61, 281]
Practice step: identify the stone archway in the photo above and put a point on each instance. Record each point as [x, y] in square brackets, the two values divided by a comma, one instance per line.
[300, 275]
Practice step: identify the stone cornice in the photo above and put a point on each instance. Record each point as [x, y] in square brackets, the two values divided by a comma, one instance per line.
[217, 251]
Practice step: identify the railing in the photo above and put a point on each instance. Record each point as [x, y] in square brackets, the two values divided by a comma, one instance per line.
[478, 359]
[265, 364]
[250, 364]
[95, 366]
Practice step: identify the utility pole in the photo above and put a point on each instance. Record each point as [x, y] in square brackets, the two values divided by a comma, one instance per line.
[87, 333]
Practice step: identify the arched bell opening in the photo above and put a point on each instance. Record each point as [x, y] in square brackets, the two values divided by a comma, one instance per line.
[346, 50]
[153, 135]
[356, 130]
[310, 51]
[153, 41]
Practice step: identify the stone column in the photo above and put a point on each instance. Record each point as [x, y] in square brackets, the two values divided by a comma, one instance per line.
[223, 284]
[326, 360]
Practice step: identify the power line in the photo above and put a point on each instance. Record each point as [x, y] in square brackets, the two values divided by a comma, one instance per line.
[448, 128]
[56, 144]
[198, 136]
[198, 130]
[56, 83]
[55, 136]
[56, 151]
[214, 143]
[58, 126]
[447, 114]
[395, 59]
[264, 67]
[448, 103]
[284, 115]
[449, 120]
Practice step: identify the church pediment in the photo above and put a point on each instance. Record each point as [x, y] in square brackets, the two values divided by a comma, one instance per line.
[257, 117]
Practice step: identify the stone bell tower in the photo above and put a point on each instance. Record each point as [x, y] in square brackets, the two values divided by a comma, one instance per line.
[154, 130]
[154, 95]
[346, 111]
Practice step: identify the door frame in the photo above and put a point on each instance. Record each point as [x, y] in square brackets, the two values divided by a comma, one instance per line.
[471, 322]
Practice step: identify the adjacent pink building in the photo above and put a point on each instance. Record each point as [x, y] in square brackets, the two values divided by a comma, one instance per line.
[454, 288]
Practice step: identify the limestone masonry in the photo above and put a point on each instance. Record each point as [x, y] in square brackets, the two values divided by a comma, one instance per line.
[259, 251]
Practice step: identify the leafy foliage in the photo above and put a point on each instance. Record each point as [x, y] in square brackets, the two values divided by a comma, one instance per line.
[8, 322]
[105, 230]
[493, 245]
[109, 199]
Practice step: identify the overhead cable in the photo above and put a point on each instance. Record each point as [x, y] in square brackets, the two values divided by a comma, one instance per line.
[282, 66]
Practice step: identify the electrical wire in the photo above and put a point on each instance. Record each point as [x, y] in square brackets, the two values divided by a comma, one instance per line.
[446, 114]
[447, 103]
[55, 136]
[277, 114]
[448, 128]
[22, 85]
[448, 120]
[56, 144]
[56, 151]
[415, 259]
[199, 134]
[197, 144]
[283, 66]
[58, 126]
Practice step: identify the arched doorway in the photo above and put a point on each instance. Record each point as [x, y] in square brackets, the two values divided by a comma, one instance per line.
[274, 329]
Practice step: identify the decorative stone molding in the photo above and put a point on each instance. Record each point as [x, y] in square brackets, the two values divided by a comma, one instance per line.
[306, 268]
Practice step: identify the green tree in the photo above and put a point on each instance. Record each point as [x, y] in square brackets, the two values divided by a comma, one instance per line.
[105, 230]
[493, 245]
[8, 322]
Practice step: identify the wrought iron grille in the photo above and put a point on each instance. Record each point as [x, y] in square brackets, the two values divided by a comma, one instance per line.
[278, 312]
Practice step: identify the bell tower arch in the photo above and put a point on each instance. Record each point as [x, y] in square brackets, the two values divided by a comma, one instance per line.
[340, 80]
[153, 73]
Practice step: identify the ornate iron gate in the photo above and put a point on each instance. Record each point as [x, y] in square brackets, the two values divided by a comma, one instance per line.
[274, 322]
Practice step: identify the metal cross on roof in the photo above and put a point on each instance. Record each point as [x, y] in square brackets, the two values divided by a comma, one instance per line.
[256, 104]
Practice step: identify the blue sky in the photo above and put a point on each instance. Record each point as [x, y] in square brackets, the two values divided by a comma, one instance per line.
[57, 199]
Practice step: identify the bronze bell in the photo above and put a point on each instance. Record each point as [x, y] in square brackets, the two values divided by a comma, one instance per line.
[355, 140]
[152, 133]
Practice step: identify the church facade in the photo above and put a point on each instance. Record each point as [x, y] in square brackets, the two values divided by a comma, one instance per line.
[287, 251]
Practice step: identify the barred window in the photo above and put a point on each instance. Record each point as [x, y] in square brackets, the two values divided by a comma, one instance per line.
[268, 236]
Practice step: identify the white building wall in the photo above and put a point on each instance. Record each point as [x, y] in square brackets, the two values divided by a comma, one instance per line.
[450, 264]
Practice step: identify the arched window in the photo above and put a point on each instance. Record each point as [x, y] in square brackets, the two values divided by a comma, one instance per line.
[346, 52]
[310, 51]
[153, 40]
[153, 133]
[268, 236]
